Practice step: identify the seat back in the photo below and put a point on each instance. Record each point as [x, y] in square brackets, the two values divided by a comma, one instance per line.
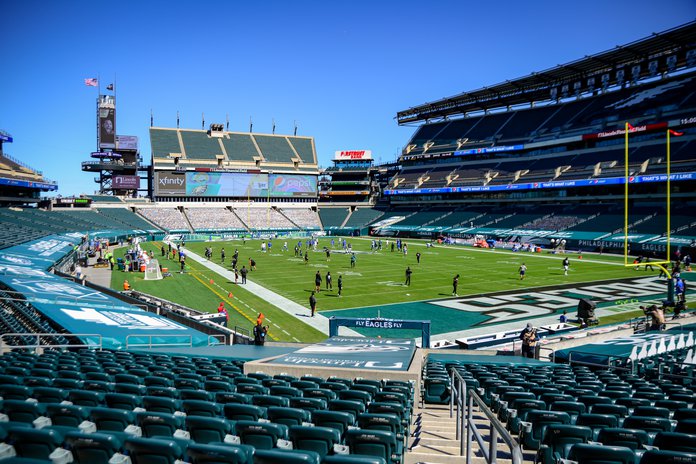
[153, 451]
[66, 415]
[674, 441]
[318, 439]
[207, 429]
[275, 456]
[219, 454]
[668, 457]
[88, 448]
[559, 438]
[584, 453]
[33, 443]
[158, 424]
[287, 416]
[246, 412]
[335, 419]
[630, 438]
[260, 435]
[372, 442]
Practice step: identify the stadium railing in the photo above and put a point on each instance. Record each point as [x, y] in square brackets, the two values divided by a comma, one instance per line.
[6, 346]
[462, 403]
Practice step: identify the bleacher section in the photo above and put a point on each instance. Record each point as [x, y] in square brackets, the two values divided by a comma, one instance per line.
[567, 411]
[240, 147]
[275, 148]
[305, 218]
[199, 145]
[160, 408]
[303, 147]
[38, 222]
[363, 216]
[170, 219]
[212, 219]
[332, 217]
[127, 218]
[164, 142]
[264, 219]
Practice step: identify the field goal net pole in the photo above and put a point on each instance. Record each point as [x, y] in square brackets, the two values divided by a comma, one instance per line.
[661, 264]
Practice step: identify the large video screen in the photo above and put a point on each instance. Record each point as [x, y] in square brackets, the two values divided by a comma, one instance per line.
[233, 184]
[293, 185]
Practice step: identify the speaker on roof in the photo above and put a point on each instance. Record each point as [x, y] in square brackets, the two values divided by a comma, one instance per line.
[620, 76]
[652, 68]
[635, 72]
[671, 63]
[554, 93]
[605, 81]
[590, 84]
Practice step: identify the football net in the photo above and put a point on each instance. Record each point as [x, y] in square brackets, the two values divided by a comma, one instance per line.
[152, 271]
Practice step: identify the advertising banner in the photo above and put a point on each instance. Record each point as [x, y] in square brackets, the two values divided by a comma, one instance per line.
[126, 182]
[170, 183]
[293, 185]
[355, 353]
[127, 142]
[353, 155]
[107, 121]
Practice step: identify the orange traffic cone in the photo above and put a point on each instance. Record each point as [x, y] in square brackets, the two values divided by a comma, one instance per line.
[229, 295]
[211, 281]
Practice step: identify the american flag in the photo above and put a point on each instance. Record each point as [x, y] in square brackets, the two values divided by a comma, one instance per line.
[91, 82]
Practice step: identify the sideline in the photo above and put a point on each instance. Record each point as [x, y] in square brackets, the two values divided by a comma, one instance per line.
[295, 310]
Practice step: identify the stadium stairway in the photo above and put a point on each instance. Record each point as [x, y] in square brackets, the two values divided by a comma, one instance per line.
[433, 438]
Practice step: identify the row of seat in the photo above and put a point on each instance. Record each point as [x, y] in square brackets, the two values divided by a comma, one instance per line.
[45, 446]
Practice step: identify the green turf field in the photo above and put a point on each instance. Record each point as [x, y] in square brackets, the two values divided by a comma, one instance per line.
[376, 280]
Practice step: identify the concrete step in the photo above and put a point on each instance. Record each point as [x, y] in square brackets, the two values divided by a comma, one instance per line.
[428, 458]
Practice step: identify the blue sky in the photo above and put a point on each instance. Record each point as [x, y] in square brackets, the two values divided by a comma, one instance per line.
[341, 69]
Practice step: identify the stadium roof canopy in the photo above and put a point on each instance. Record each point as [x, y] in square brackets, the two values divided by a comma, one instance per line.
[538, 86]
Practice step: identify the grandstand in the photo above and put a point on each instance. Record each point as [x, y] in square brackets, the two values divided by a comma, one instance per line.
[89, 374]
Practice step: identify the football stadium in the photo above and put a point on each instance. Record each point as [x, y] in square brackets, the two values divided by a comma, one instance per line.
[513, 288]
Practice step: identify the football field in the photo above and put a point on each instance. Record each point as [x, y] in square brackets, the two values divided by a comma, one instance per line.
[375, 286]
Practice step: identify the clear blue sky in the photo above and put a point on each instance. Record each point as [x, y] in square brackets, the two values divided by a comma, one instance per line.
[342, 69]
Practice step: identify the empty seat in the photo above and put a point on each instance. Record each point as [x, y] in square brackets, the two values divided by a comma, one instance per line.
[334, 419]
[66, 417]
[309, 404]
[15, 392]
[270, 400]
[201, 408]
[573, 408]
[22, 411]
[674, 441]
[318, 439]
[584, 453]
[113, 421]
[158, 424]
[651, 411]
[630, 438]
[161, 404]
[247, 412]
[597, 422]
[534, 428]
[353, 459]
[89, 448]
[208, 429]
[373, 442]
[559, 439]
[353, 407]
[613, 409]
[153, 451]
[668, 457]
[275, 456]
[90, 399]
[652, 425]
[34, 443]
[219, 454]
[122, 401]
[260, 435]
[287, 416]
[232, 397]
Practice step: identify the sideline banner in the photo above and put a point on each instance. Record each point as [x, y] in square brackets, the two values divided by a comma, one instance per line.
[355, 353]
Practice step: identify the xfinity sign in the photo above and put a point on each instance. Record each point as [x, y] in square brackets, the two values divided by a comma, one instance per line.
[170, 183]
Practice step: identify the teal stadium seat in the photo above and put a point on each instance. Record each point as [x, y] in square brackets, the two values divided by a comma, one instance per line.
[260, 435]
[219, 454]
[630, 438]
[22, 411]
[49, 394]
[338, 420]
[276, 456]
[318, 439]
[248, 412]
[532, 432]
[270, 400]
[112, 421]
[159, 424]
[353, 459]
[91, 448]
[374, 443]
[668, 457]
[288, 416]
[208, 429]
[201, 408]
[584, 453]
[597, 422]
[674, 441]
[559, 439]
[652, 425]
[123, 401]
[34, 443]
[350, 406]
[153, 451]
[232, 397]
[15, 392]
[161, 404]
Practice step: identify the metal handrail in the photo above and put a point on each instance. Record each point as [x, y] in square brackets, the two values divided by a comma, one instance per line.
[38, 344]
[159, 345]
[466, 422]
